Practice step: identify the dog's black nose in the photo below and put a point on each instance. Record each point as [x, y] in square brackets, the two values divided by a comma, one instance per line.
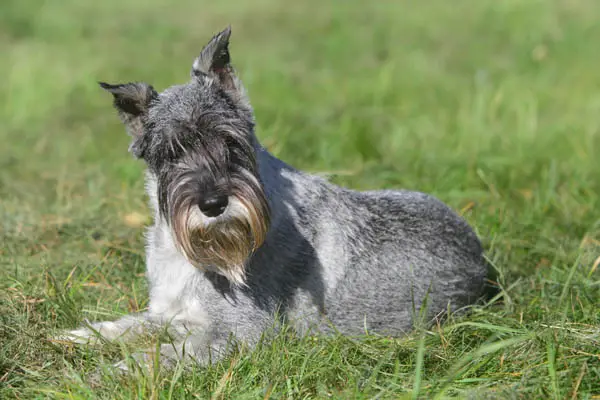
[213, 206]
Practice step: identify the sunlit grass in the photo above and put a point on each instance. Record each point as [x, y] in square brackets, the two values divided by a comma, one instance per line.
[493, 107]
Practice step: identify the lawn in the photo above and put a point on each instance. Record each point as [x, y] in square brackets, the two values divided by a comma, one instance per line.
[492, 106]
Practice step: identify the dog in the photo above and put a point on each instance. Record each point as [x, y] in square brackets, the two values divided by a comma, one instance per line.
[242, 241]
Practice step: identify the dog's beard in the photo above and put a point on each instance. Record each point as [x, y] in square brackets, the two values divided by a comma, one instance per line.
[222, 244]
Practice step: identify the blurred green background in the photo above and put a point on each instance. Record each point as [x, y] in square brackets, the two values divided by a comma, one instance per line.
[492, 106]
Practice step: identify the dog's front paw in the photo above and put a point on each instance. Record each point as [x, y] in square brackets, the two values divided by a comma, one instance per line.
[117, 370]
[145, 361]
[79, 336]
[93, 334]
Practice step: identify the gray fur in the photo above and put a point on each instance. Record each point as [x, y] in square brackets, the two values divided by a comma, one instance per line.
[356, 260]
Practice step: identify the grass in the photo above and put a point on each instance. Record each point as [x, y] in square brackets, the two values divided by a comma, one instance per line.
[494, 107]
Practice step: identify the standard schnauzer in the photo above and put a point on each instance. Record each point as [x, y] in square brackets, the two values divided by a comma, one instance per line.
[242, 241]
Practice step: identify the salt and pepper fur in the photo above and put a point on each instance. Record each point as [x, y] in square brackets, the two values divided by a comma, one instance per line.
[290, 247]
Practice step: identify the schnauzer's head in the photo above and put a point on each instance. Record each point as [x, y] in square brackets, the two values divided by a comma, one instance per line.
[198, 142]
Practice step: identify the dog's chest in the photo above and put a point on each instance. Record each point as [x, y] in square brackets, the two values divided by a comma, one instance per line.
[170, 276]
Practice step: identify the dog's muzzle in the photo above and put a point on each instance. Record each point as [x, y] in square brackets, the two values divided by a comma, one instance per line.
[220, 235]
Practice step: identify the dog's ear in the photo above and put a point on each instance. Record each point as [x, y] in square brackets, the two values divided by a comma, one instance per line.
[214, 61]
[132, 101]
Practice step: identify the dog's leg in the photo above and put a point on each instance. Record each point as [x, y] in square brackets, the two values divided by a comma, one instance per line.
[190, 344]
[125, 328]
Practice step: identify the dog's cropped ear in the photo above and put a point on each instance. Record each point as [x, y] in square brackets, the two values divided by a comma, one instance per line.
[214, 61]
[132, 101]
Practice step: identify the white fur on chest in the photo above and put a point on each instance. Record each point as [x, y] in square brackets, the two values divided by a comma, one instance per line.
[174, 282]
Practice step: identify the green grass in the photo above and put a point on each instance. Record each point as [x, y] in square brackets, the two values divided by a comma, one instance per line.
[492, 106]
